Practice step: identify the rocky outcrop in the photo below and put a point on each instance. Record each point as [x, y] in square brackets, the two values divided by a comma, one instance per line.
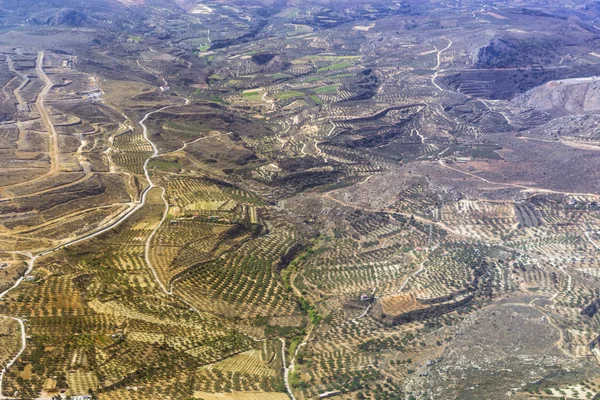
[561, 97]
[509, 52]
[591, 309]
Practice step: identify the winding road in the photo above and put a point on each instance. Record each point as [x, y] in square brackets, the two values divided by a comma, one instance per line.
[439, 62]
[30, 264]
[15, 358]
[416, 273]
[40, 104]
[118, 221]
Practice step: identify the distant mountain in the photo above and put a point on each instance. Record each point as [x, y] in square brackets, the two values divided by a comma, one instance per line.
[510, 52]
[64, 16]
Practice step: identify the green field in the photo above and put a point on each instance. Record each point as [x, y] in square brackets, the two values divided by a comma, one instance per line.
[288, 95]
[255, 95]
[339, 65]
[165, 165]
[316, 99]
[340, 76]
[327, 89]
[292, 347]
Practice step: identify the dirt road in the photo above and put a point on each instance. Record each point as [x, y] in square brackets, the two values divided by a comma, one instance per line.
[41, 106]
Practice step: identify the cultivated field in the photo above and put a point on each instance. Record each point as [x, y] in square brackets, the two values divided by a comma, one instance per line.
[269, 200]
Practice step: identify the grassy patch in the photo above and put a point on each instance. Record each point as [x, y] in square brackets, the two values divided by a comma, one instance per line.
[327, 89]
[165, 165]
[339, 65]
[288, 95]
[316, 99]
[254, 95]
[251, 93]
[294, 342]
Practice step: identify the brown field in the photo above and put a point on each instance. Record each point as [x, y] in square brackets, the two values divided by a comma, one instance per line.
[401, 303]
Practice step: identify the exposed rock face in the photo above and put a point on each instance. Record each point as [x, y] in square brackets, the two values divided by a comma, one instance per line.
[584, 126]
[575, 96]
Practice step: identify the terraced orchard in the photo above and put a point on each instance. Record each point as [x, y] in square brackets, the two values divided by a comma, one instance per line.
[269, 200]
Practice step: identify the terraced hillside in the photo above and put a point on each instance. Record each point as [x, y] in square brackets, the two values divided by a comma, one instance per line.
[245, 200]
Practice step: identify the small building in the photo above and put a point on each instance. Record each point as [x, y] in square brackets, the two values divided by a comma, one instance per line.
[165, 88]
[365, 297]
[329, 394]
[119, 334]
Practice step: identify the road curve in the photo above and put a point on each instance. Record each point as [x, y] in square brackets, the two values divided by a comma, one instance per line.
[124, 216]
[15, 358]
